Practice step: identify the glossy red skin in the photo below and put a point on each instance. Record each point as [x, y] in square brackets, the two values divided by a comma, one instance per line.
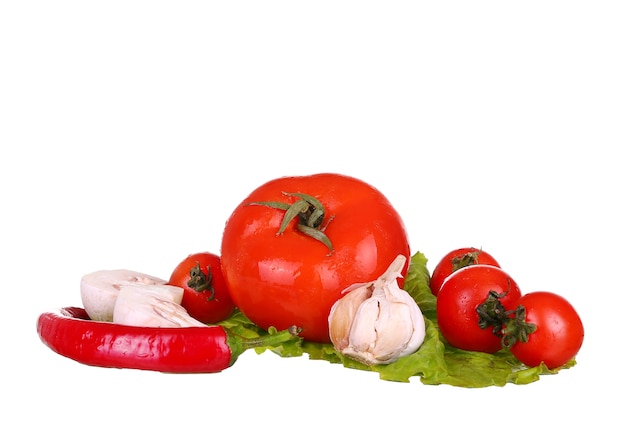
[445, 266]
[70, 333]
[198, 304]
[458, 298]
[559, 334]
[291, 279]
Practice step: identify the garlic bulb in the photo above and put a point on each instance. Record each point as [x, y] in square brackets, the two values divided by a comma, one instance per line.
[377, 322]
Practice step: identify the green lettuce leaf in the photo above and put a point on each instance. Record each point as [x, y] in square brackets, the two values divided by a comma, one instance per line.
[434, 363]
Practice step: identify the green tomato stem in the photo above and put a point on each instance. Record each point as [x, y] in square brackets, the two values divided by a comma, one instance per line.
[509, 325]
[310, 213]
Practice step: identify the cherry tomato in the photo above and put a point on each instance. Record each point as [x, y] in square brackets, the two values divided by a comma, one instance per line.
[206, 296]
[283, 271]
[559, 331]
[455, 260]
[458, 306]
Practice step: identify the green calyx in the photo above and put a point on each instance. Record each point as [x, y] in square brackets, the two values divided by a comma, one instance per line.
[516, 328]
[310, 214]
[465, 260]
[200, 281]
[510, 325]
[492, 313]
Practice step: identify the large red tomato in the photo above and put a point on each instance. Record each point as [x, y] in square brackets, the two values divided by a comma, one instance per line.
[282, 271]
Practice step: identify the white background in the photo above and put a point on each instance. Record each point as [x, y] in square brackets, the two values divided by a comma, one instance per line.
[130, 130]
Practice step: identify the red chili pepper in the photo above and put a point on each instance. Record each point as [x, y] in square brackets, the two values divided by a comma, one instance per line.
[70, 333]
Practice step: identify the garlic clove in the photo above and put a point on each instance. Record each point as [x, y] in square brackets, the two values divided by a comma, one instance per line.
[152, 306]
[418, 331]
[363, 331]
[392, 331]
[99, 290]
[345, 312]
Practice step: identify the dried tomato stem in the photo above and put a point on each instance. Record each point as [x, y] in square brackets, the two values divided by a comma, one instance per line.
[200, 281]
